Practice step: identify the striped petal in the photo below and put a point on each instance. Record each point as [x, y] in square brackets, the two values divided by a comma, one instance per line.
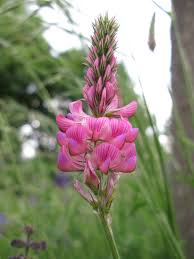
[113, 105]
[64, 123]
[99, 128]
[118, 141]
[119, 127]
[102, 105]
[128, 163]
[61, 138]
[111, 91]
[77, 139]
[129, 150]
[132, 135]
[89, 93]
[126, 111]
[76, 107]
[105, 156]
[68, 164]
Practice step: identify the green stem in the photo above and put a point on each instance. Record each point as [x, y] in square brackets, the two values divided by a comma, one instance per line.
[109, 234]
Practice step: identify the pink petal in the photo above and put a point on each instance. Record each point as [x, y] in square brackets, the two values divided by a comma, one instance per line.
[76, 107]
[111, 91]
[107, 73]
[129, 150]
[104, 166]
[102, 105]
[105, 156]
[99, 85]
[113, 79]
[119, 131]
[133, 133]
[64, 123]
[90, 73]
[70, 116]
[119, 127]
[113, 105]
[85, 91]
[61, 138]
[77, 136]
[96, 63]
[78, 133]
[66, 163]
[113, 61]
[128, 165]
[118, 141]
[89, 93]
[99, 128]
[126, 111]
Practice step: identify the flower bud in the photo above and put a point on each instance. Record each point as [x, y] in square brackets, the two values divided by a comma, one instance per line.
[29, 230]
[90, 176]
[86, 195]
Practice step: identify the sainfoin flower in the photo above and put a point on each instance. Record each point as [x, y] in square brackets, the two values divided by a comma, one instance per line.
[99, 144]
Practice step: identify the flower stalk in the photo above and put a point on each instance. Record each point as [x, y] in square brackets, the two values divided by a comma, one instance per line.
[106, 224]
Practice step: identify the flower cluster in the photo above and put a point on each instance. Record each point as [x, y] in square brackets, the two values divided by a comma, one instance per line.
[101, 143]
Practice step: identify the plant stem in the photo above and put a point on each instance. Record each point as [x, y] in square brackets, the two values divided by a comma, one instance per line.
[109, 234]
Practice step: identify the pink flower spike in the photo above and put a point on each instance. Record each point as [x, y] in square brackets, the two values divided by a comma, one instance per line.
[61, 138]
[77, 136]
[64, 123]
[66, 163]
[86, 195]
[90, 176]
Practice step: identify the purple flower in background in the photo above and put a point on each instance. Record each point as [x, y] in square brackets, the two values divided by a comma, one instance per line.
[62, 180]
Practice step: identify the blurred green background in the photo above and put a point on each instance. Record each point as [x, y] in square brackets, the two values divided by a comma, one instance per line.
[35, 85]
